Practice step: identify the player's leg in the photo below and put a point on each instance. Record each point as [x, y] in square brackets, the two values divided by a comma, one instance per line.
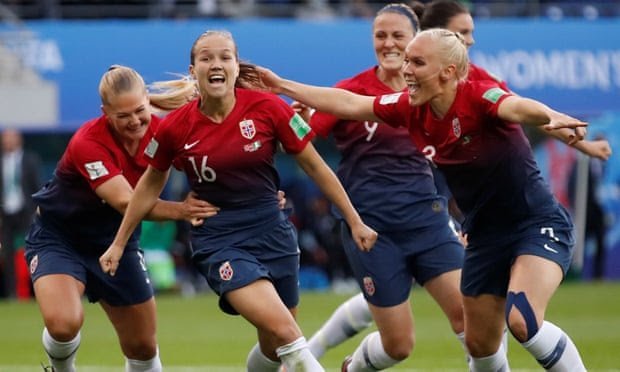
[484, 282]
[533, 282]
[542, 258]
[59, 298]
[386, 280]
[484, 330]
[58, 280]
[136, 326]
[350, 318]
[445, 290]
[392, 343]
[128, 301]
[438, 270]
[279, 335]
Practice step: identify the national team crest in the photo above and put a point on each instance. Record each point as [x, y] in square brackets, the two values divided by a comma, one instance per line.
[248, 129]
[369, 286]
[226, 271]
[34, 263]
[456, 127]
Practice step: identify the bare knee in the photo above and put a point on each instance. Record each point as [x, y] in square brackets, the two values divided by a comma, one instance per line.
[281, 333]
[140, 348]
[398, 346]
[64, 327]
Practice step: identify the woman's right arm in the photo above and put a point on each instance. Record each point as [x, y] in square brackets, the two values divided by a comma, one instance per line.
[142, 201]
[338, 102]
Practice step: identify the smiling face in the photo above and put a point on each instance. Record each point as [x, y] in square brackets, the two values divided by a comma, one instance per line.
[391, 34]
[129, 114]
[422, 69]
[215, 65]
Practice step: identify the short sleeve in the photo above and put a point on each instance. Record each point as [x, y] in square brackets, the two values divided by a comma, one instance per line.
[392, 108]
[291, 130]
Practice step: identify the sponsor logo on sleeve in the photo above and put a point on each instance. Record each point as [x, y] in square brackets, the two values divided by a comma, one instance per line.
[388, 99]
[299, 126]
[96, 169]
[151, 149]
[248, 129]
[493, 94]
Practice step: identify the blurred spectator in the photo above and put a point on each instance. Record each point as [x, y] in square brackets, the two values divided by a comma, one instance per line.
[596, 221]
[20, 179]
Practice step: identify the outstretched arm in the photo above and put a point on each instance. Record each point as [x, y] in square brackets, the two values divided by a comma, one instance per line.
[528, 111]
[335, 101]
[314, 166]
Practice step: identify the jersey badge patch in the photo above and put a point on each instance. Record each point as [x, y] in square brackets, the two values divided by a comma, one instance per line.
[388, 99]
[248, 129]
[226, 271]
[493, 94]
[96, 169]
[151, 149]
[456, 127]
[251, 147]
[369, 286]
[299, 126]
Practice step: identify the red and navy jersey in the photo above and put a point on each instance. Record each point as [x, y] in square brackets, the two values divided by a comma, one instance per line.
[231, 164]
[68, 202]
[383, 173]
[488, 162]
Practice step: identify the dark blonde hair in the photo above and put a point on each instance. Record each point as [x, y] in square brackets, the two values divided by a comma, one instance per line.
[117, 80]
[451, 49]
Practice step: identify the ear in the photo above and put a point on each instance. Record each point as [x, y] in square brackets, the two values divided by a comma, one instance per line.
[447, 73]
[191, 71]
[103, 110]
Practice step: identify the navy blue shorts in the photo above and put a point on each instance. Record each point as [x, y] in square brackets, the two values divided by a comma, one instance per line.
[271, 253]
[487, 266]
[47, 252]
[385, 274]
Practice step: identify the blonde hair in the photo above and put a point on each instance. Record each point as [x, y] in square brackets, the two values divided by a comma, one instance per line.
[171, 94]
[451, 49]
[117, 80]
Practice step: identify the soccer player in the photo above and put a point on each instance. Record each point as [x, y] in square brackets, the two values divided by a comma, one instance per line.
[354, 315]
[520, 238]
[225, 143]
[391, 184]
[79, 210]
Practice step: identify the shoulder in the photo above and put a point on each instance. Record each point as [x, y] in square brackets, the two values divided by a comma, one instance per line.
[93, 131]
[359, 81]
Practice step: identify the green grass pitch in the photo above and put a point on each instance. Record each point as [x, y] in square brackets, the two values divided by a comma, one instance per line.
[195, 336]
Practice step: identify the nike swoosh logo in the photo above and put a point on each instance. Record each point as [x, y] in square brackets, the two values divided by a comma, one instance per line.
[190, 145]
[549, 248]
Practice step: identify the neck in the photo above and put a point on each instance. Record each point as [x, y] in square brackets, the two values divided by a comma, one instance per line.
[393, 79]
[217, 109]
[442, 102]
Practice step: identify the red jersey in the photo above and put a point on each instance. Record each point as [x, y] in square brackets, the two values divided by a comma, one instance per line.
[68, 202]
[230, 164]
[488, 162]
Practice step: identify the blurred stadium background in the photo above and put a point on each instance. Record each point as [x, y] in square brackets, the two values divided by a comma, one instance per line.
[53, 52]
